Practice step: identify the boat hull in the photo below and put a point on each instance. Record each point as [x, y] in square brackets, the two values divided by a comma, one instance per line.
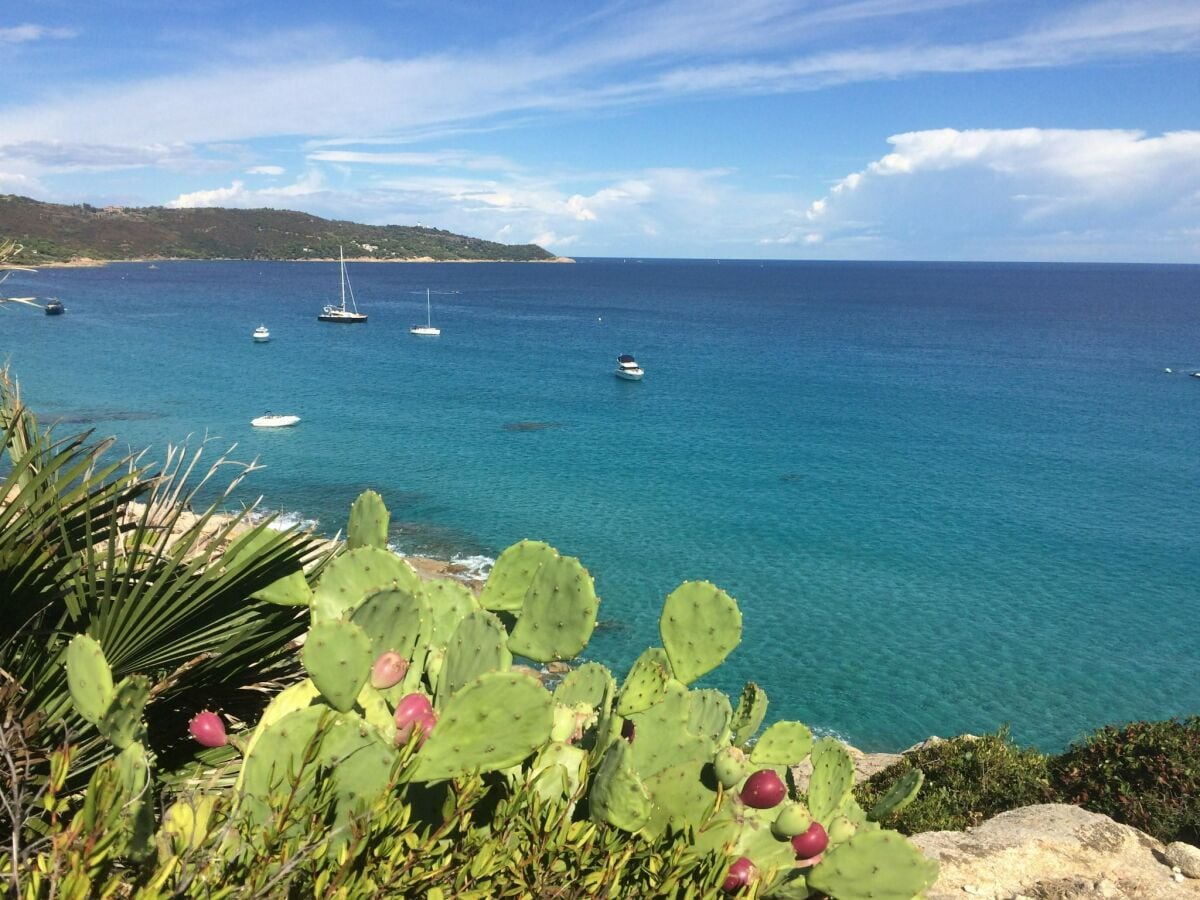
[346, 319]
[630, 374]
[274, 421]
[425, 330]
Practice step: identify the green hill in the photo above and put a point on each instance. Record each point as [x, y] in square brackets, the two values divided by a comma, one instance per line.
[54, 233]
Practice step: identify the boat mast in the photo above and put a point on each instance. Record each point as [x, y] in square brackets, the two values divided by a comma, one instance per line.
[428, 314]
[342, 263]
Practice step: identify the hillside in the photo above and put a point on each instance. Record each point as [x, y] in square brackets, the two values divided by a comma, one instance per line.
[55, 233]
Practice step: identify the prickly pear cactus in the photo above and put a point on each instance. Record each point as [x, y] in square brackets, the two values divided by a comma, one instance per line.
[700, 626]
[878, 864]
[368, 522]
[478, 646]
[512, 573]
[337, 655]
[493, 722]
[559, 612]
[89, 678]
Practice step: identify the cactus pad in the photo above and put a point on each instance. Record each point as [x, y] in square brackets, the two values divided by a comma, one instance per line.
[831, 781]
[902, 793]
[646, 683]
[449, 603]
[337, 655]
[122, 721]
[478, 646]
[700, 626]
[750, 712]
[491, 723]
[879, 864]
[662, 738]
[559, 613]
[783, 744]
[617, 795]
[709, 715]
[357, 574]
[589, 683]
[290, 590]
[368, 526]
[393, 620]
[89, 678]
[512, 574]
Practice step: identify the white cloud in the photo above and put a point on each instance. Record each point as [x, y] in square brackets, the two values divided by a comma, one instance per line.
[236, 195]
[22, 34]
[1019, 187]
[266, 170]
[635, 55]
[455, 159]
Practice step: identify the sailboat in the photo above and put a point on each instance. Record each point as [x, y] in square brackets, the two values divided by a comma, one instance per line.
[333, 313]
[427, 328]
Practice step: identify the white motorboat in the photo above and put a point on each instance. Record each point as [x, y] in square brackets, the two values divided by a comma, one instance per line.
[261, 334]
[271, 420]
[340, 314]
[427, 328]
[628, 368]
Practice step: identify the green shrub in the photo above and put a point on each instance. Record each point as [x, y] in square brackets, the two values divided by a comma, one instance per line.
[1144, 774]
[967, 780]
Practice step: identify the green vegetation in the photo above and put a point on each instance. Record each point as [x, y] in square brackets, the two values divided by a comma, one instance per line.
[54, 233]
[1145, 774]
[967, 780]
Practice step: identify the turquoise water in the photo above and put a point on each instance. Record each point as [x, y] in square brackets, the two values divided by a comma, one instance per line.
[946, 496]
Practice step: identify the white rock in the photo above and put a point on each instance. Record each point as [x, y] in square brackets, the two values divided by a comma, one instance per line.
[1184, 857]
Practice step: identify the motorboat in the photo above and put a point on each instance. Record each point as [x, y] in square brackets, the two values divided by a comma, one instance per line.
[262, 334]
[427, 328]
[340, 314]
[628, 368]
[271, 420]
[54, 307]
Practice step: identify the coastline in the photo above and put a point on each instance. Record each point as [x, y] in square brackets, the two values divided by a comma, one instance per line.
[84, 262]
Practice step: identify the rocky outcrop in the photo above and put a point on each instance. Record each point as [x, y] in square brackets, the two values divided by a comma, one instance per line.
[1053, 852]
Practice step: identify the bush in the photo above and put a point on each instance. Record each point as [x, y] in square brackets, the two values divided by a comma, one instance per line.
[967, 780]
[1144, 774]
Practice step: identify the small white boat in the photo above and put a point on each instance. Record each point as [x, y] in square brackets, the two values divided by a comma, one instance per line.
[271, 420]
[628, 368]
[427, 328]
[340, 314]
[261, 334]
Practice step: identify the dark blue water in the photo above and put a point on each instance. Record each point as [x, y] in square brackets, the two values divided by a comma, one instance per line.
[946, 497]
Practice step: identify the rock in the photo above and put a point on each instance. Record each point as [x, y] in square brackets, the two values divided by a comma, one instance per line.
[865, 765]
[1052, 852]
[1185, 857]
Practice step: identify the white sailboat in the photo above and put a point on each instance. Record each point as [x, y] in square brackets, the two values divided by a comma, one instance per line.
[427, 328]
[340, 314]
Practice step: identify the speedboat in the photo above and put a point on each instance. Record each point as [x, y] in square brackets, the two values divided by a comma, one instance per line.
[54, 307]
[261, 334]
[628, 368]
[271, 420]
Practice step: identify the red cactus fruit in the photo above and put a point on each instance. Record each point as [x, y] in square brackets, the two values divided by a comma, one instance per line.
[628, 730]
[764, 789]
[812, 842]
[414, 712]
[741, 873]
[207, 728]
[388, 670]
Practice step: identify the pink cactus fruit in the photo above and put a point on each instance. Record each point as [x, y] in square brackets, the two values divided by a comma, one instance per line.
[388, 670]
[207, 728]
[811, 843]
[414, 712]
[764, 789]
[741, 873]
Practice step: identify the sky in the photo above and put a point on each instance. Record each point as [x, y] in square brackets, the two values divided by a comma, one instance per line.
[1057, 130]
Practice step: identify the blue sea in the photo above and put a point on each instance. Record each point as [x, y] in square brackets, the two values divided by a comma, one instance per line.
[946, 496]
